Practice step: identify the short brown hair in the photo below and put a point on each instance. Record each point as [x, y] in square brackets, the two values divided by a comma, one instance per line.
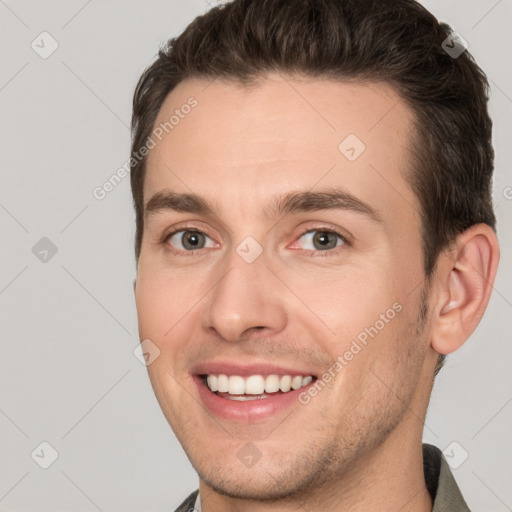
[396, 41]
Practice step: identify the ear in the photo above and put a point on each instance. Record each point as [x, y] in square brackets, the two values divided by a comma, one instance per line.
[464, 279]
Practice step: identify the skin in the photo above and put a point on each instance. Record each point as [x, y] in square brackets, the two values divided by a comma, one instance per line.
[357, 444]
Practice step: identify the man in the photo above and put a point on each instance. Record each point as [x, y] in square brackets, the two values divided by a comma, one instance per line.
[315, 232]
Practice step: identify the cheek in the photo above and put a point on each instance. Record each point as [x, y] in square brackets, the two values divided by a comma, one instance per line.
[365, 316]
[162, 299]
[150, 299]
[347, 301]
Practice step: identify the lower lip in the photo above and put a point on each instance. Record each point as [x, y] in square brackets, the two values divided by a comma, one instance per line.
[248, 411]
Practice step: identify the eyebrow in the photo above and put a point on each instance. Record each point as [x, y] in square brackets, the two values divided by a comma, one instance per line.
[279, 206]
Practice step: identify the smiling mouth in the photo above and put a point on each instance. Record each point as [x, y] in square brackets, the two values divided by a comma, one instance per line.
[254, 387]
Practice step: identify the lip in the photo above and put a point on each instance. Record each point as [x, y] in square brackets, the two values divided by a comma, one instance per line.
[251, 411]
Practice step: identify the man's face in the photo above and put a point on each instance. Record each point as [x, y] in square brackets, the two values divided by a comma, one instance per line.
[268, 296]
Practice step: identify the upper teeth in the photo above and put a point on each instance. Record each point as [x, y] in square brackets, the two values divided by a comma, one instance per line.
[255, 384]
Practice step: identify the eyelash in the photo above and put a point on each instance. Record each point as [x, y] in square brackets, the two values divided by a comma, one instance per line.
[322, 254]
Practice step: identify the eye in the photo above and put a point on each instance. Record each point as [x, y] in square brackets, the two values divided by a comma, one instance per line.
[188, 240]
[322, 240]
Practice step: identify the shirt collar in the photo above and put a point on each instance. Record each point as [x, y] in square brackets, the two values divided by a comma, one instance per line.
[441, 485]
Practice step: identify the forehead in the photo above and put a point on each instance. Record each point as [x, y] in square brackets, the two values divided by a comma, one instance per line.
[238, 145]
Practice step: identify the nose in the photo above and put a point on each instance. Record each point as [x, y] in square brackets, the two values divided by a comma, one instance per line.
[246, 297]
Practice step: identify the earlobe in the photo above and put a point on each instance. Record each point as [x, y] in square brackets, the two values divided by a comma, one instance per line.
[464, 282]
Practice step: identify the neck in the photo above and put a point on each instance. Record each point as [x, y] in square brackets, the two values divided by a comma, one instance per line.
[389, 478]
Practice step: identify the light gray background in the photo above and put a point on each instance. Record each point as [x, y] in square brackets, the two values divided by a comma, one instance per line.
[68, 374]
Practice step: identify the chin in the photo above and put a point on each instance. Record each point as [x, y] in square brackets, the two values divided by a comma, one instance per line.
[257, 487]
[287, 476]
